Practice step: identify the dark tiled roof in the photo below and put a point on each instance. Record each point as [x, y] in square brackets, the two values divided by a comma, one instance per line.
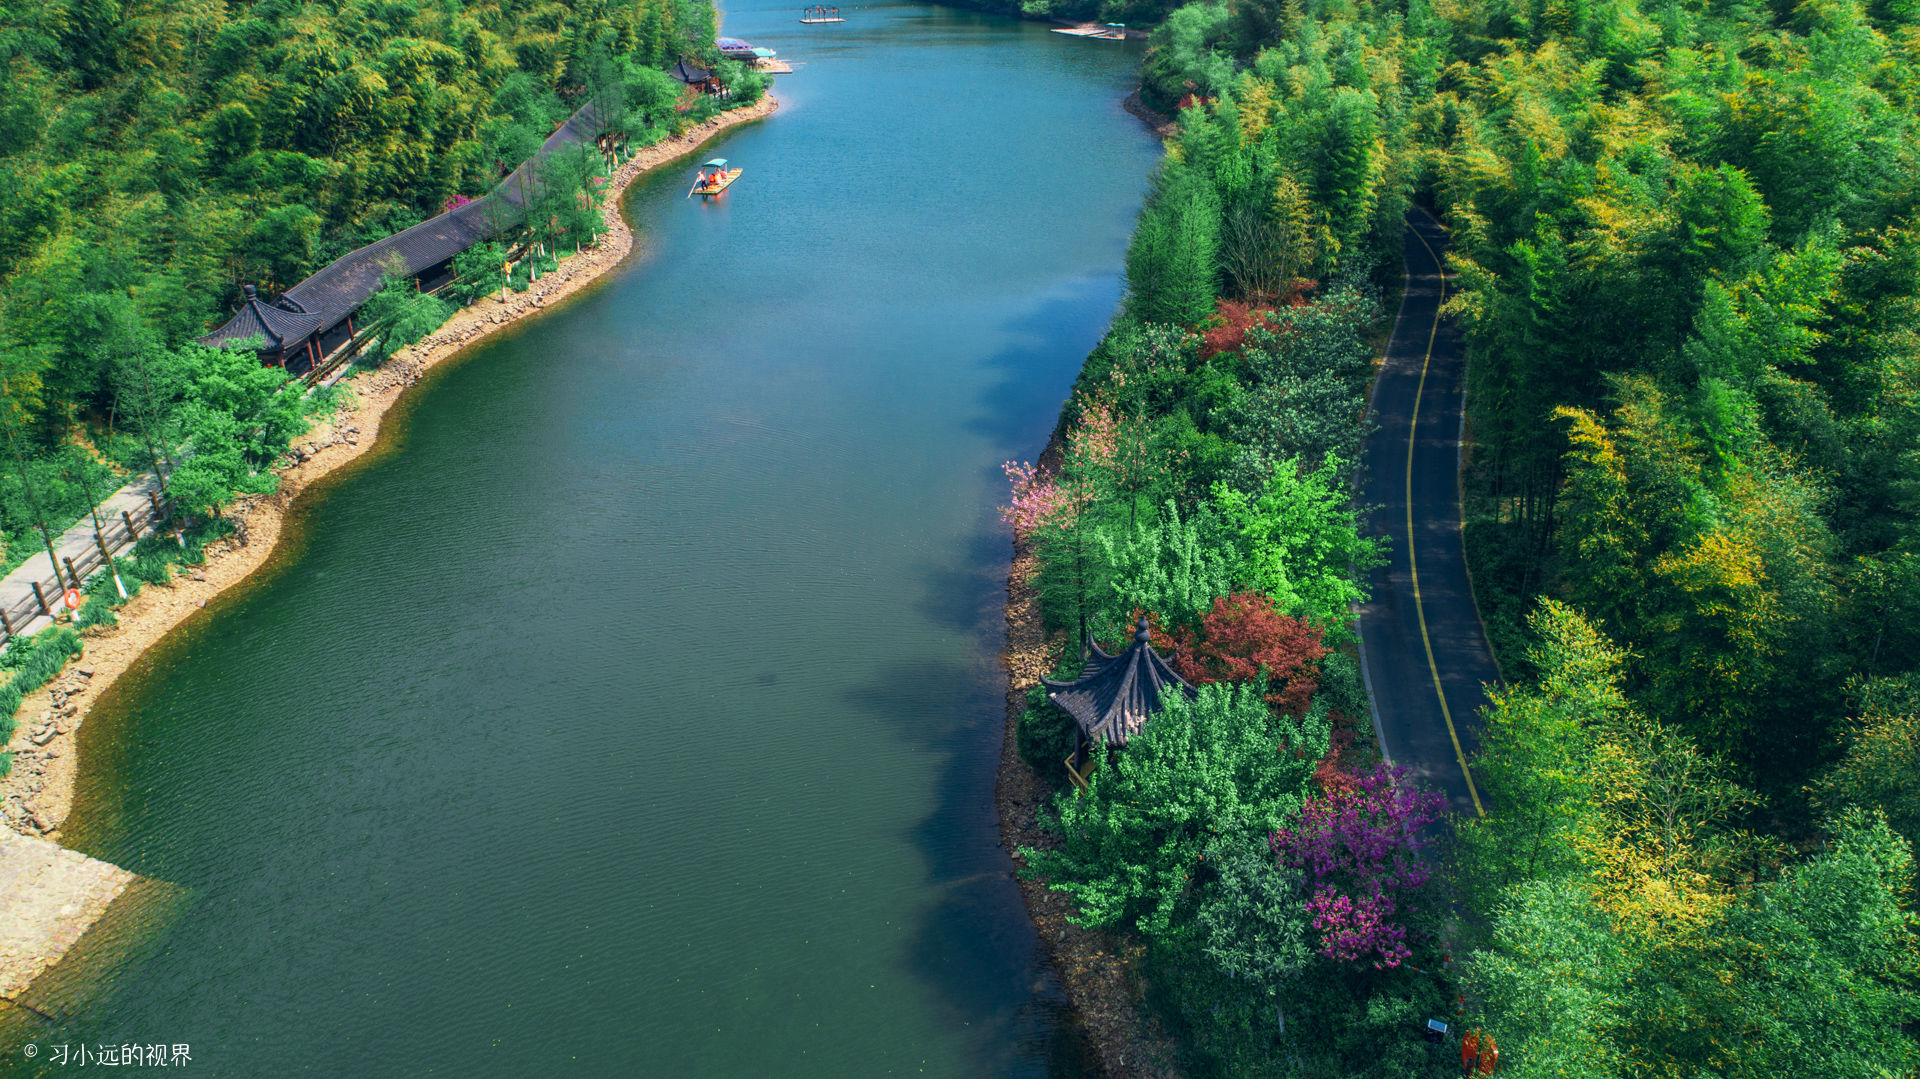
[279, 323]
[1116, 695]
[346, 283]
[689, 73]
[332, 294]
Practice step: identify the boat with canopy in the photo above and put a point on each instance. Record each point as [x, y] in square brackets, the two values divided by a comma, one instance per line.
[714, 177]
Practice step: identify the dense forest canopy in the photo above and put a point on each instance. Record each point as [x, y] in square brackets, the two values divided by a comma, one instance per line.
[1685, 255]
[155, 155]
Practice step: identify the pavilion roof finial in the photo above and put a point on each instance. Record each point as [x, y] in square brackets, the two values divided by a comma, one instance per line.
[1115, 695]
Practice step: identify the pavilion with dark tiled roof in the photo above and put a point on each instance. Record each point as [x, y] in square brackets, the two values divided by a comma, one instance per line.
[283, 325]
[1115, 695]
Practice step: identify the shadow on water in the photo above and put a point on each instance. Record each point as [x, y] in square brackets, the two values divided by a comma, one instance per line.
[1019, 409]
[975, 944]
[969, 596]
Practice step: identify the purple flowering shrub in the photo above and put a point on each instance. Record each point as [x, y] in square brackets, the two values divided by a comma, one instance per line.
[1360, 850]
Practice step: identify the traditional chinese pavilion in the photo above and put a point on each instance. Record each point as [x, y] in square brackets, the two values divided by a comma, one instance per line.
[284, 327]
[1114, 696]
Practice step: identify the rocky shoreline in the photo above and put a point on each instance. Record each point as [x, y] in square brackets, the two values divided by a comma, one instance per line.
[37, 797]
[1100, 970]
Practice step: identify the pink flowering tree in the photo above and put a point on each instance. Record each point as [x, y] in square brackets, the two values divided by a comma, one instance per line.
[1106, 464]
[1037, 500]
[1360, 850]
[1109, 455]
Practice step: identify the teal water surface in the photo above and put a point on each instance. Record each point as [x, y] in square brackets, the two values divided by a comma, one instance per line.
[639, 714]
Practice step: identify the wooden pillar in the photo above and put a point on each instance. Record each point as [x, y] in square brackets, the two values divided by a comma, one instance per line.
[6, 623]
[73, 575]
[153, 498]
[133, 534]
[42, 596]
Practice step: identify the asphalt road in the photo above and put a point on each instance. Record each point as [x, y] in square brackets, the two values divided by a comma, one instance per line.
[1422, 644]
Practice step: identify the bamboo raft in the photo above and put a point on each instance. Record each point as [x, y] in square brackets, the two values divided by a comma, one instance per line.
[816, 15]
[718, 180]
[1109, 32]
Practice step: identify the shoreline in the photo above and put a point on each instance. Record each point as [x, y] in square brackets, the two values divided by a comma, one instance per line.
[43, 777]
[1100, 970]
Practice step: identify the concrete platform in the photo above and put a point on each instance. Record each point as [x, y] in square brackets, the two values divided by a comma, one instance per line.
[49, 896]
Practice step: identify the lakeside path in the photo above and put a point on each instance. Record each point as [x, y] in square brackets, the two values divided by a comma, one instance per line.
[38, 795]
[17, 587]
[1422, 645]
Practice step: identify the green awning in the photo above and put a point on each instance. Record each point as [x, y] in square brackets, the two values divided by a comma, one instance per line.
[716, 163]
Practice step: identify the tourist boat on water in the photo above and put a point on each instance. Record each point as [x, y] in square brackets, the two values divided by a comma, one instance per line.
[818, 14]
[1113, 31]
[714, 178]
[732, 48]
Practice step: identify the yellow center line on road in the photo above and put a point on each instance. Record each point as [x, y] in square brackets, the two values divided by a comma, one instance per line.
[1413, 564]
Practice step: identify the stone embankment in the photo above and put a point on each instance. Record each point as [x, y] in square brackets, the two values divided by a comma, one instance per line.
[35, 753]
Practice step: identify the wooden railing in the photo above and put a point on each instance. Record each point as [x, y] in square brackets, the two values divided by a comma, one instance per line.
[116, 535]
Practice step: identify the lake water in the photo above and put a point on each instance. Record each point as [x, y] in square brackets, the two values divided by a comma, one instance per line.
[638, 714]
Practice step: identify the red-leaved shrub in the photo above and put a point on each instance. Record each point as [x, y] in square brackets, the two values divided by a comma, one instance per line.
[1243, 634]
[1335, 774]
[1227, 329]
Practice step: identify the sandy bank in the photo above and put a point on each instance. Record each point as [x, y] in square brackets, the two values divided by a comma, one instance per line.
[39, 791]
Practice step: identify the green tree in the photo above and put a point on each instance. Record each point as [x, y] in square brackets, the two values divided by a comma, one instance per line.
[1298, 540]
[281, 243]
[1220, 769]
[1535, 764]
[1171, 263]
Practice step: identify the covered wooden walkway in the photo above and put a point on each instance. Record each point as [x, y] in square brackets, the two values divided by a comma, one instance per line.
[311, 324]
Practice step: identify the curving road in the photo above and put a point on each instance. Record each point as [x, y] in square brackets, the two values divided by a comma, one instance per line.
[1422, 646]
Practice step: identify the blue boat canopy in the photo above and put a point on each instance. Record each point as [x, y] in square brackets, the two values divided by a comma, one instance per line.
[716, 163]
[765, 54]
